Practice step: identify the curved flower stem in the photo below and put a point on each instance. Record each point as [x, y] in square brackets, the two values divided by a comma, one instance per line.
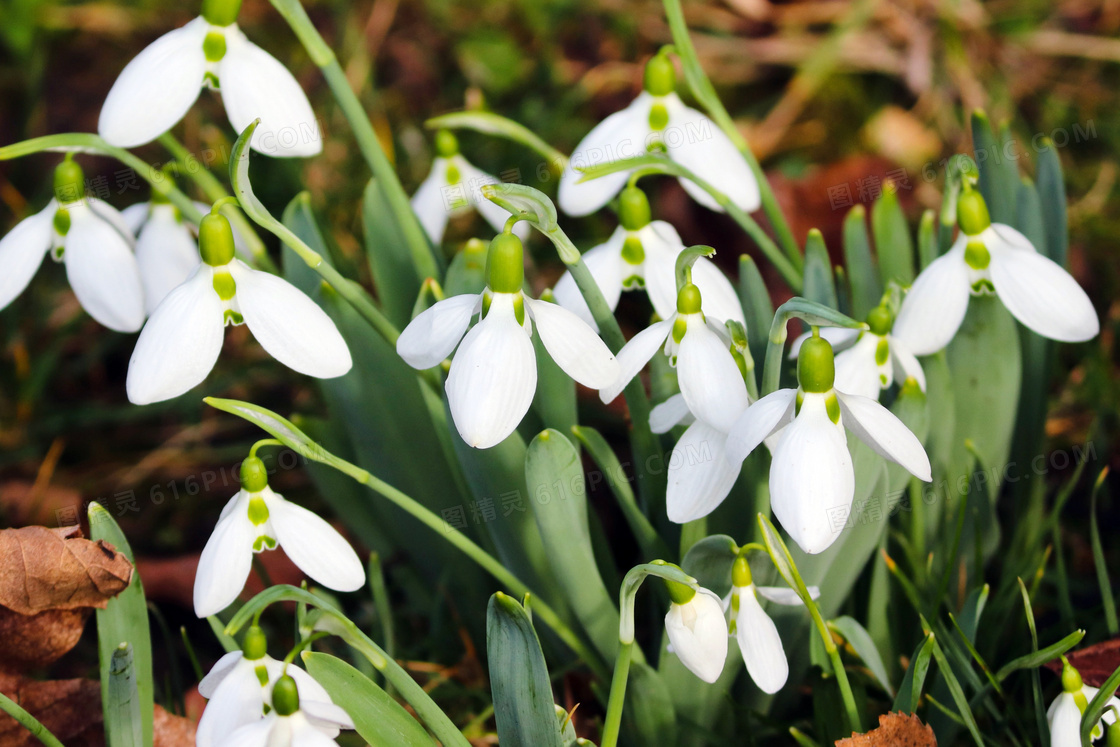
[705, 93]
[29, 722]
[423, 257]
[214, 191]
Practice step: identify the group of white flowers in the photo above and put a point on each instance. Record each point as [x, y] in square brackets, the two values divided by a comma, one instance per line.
[145, 263]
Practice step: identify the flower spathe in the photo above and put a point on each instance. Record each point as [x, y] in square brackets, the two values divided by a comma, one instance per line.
[658, 119]
[493, 375]
[294, 721]
[697, 630]
[160, 84]
[642, 254]
[992, 258]
[454, 186]
[812, 483]
[181, 341]
[94, 243]
[257, 519]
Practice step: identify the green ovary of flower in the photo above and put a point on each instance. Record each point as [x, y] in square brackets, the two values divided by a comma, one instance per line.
[660, 77]
[816, 366]
[215, 240]
[285, 696]
[69, 182]
[447, 144]
[633, 209]
[505, 264]
[221, 12]
[972, 213]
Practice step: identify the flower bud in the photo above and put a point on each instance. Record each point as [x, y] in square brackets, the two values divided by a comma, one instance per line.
[505, 264]
[816, 366]
[633, 209]
[215, 240]
[660, 75]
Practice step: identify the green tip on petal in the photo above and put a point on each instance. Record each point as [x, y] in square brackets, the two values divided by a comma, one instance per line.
[505, 264]
[880, 321]
[255, 645]
[972, 212]
[254, 476]
[215, 240]
[221, 12]
[633, 209]
[977, 256]
[678, 592]
[688, 299]
[816, 366]
[214, 46]
[285, 696]
[69, 182]
[660, 76]
[741, 572]
[447, 144]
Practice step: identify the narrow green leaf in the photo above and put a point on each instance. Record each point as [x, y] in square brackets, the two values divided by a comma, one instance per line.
[378, 718]
[123, 621]
[1099, 560]
[124, 700]
[860, 640]
[29, 722]
[390, 261]
[495, 124]
[927, 240]
[754, 297]
[1098, 704]
[523, 705]
[1036, 680]
[893, 241]
[467, 271]
[991, 164]
[1052, 195]
[957, 692]
[863, 272]
[819, 285]
[1041, 656]
[650, 714]
[910, 691]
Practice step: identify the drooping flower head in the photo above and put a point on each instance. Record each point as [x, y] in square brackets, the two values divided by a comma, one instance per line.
[94, 243]
[1064, 714]
[161, 83]
[293, 721]
[697, 629]
[642, 254]
[493, 375]
[454, 186]
[257, 519]
[182, 340]
[812, 483]
[658, 120]
[991, 258]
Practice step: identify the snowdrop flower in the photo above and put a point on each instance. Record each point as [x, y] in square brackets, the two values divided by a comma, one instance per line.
[91, 238]
[874, 357]
[183, 338]
[658, 120]
[753, 629]
[1064, 714]
[239, 689]
[697, 630]
[257, 519]
[992, 258]
[643, 254]
[166, 248]
[294, 721]
[811, 479]
[494, 374]
[454, 186]
[161, 83]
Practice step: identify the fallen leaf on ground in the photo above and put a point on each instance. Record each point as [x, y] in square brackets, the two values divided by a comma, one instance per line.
[43, 569]
[33, 641]
[894, 730]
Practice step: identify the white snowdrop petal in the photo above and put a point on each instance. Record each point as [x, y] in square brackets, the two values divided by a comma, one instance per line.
[22, 251]
[256, 734]
[433, 334]
[710, 381]
[906, 365]
[430, 202]
[309, 688]
[136, 215]
[179, 344]
[933, 310]
[473, 179]
[306, 733]
[699, 475]
[621, 135]
[784, 595]
[856, 370]
[573, 345]
[1064, 718]
[226, 560]
[315, 546]
[102, 271]
[166, 255]
[255, 84]
[324, 712]
[634, 355]
[697, 143]
[156, 88]
[235, 702]
[115, 218]
[760, 644]
[661, 245]
[880, 429]
[493, 377]
[288, 324]
[1039, 292]
[839, 337]
[668, 414]
[221, 669]
[605, 264]
[811, 479]
[718, 298]
[760, 419]
[697, 632]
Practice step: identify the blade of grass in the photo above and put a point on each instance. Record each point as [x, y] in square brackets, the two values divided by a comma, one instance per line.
[1099, 561]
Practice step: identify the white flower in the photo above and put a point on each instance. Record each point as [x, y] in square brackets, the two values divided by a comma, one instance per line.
[161, 83]
[643, 254]
[992, 258]
[697, 633]
[239, 688]
[257, 519]
[657, 118]
[182, 340]
[454, 186]
[811, 479]
[94, 243]
[1064, 714]
[294, 721]
[494, 373]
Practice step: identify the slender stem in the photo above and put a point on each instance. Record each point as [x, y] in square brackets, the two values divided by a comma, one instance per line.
[29, 722]
[262, 443]
[422, 255]
[613, 722]
[214, 191]
[381, 604]
[705, 93]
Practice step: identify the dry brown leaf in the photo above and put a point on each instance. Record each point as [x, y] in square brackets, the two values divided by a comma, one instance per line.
[43, 569]
[894, 730]
[71, 710]
[1095, 663]
[32, 641]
